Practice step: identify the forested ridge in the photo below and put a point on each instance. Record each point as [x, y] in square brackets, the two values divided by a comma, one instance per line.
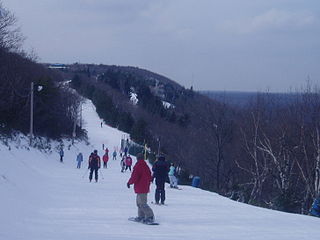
[265, 152]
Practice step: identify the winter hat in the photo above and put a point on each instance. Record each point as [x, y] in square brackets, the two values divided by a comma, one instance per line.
[140, 156]
[95, 151]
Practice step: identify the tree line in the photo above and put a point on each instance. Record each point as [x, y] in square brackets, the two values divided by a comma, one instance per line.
[55, 107]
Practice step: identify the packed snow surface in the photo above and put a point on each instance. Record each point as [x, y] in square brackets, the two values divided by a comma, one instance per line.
[43, 199]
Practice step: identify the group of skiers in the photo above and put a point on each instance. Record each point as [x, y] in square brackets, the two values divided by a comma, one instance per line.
[142, 177]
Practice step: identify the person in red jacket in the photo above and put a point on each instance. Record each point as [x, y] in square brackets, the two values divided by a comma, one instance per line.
[141, 178]
[105, 158]
[128, 163]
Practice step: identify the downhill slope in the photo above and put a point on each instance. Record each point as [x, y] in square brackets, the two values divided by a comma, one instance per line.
[42, 198]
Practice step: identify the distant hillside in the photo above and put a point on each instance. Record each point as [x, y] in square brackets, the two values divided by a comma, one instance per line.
[241, 99]
[171, 119]
[258, 148]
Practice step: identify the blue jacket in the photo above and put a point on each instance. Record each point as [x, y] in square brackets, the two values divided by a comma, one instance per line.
[172, 171]
[79, 157]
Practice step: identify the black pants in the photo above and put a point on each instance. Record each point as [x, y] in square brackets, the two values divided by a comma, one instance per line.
[160, 192]
[95, 174]
[128, 167]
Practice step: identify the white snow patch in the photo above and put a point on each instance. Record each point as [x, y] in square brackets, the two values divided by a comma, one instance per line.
[134, 98]
[167, 105]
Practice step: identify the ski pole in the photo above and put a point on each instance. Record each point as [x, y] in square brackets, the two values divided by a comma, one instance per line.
[85, 173]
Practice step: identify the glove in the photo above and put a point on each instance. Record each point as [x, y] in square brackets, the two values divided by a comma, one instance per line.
[128, 185]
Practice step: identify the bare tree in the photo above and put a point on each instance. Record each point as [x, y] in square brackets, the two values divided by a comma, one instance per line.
[10, 34]
[259, 165]
[308, 151]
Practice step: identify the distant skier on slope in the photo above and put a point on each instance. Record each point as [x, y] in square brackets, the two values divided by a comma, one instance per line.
[105, 158]
[141, 178]
[61, 153]
[94, 165]
[172, 176]
[160, 172]
[123, 163]
[128, 162]
[125, 151]
[79, 159]
[114, 155]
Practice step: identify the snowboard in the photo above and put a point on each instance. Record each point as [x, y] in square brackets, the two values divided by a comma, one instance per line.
[133, 220]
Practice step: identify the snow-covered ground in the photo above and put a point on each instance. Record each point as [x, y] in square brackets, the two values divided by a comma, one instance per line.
[43, 199]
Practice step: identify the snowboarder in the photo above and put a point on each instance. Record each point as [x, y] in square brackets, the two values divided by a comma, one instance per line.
[128, 162]
[172, 176]
[61, 153]
[141, 178]
[114, 155]
[105, 158]
[79, 160]
[94, 165]
[160, 173]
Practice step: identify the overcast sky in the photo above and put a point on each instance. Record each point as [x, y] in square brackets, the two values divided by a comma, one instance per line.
[245, 45]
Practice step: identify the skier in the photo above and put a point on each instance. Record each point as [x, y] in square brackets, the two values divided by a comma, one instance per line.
[114, 155]
[160, 173]
[105, 158]
[94, 165]
[172, 177]
[79, 160]
[61, 153]
[141, 178]
[125, 151]
[123, 163]
[128, 162]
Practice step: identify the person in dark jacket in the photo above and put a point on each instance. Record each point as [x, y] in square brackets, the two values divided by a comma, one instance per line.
[94, 165]
[61, 153]
[160, 173]
[141, 178]
[123, 163]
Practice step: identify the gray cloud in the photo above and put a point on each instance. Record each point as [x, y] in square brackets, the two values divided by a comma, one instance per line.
[273, 19]
[222, 45]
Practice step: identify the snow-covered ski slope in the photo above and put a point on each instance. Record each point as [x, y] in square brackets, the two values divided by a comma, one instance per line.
[43, 199]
